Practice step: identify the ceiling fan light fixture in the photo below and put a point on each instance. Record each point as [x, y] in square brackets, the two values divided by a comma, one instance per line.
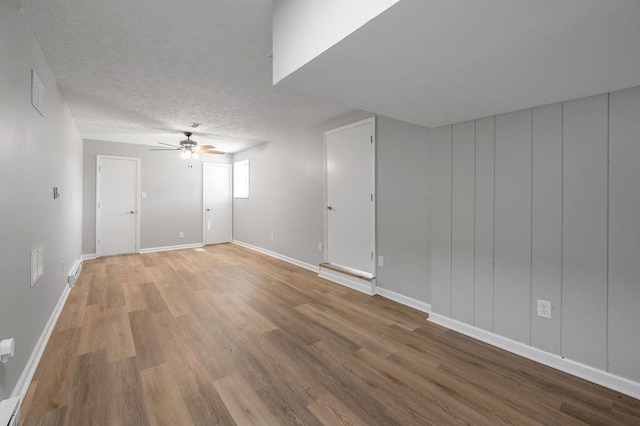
[195, 155]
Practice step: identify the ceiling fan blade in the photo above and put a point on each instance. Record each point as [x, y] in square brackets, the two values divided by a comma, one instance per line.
[205, 147]
[209, 151]
[164, 149]
[168, 144]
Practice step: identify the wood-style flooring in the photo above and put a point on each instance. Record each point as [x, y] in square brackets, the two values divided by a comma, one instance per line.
[224, 335]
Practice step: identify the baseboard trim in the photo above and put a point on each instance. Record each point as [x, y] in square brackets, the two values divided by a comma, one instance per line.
[169, 248]
[277, 256]
[365, 286]
[29, 370]
[89, 256]
[558, 362]
[404, 300]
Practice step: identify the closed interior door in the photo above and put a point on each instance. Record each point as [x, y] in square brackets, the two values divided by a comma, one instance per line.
[217, 203]
[350, 194]
[117, 205]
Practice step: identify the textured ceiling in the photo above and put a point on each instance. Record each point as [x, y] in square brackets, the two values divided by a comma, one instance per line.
[141, 71]
[439, 62]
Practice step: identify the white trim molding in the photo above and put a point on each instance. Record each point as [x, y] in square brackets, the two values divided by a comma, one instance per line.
[287, 259]
[558, 362]
[362, 285]
[404, 300]
[169, 248]
[29, 370]
[88, 256]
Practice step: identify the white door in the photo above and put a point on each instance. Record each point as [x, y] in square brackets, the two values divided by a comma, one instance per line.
[217, 203]
[117, 188]
[350, 165]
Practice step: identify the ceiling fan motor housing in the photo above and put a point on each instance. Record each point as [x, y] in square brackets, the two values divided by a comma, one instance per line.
[188, 143]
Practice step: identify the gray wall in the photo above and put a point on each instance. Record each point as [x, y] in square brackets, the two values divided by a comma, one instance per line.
[287, 200]
[36, 154]
[286, 193]
[174, 194]
[402, 228]
[534, 192]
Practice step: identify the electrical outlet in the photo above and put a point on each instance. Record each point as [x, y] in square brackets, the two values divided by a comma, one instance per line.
[381, 261]
[544, 308]
[180, 234]
[319, 245]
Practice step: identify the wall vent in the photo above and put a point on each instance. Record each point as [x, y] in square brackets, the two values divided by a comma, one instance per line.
[37, 266]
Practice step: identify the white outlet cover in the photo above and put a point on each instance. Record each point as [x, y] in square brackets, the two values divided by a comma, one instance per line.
[544, 309]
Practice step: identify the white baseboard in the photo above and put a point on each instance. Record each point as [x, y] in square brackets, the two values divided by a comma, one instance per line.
[364, 286]
[404, 300]
[168, 248]
[27, 374]
[89, 256]
[583, 371]
[278, 256]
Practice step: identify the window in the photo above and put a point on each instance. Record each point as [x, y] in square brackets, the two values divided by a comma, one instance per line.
[241, 179]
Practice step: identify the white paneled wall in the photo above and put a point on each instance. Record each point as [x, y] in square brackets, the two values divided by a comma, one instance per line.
[584, 230]
[512, 280]
[440, 187]
[483, 255]
[546, 225]
[462, 221]
[543, 204]
[624, 234]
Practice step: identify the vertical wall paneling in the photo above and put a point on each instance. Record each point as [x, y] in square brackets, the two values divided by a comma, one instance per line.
[483, 254]
[440, 187]
[546, 217]
[624, 234]
[584, 230]
[512, 282]
[462, 221]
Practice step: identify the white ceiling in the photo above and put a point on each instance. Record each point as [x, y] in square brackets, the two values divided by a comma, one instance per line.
[439, 62]
[141, 71]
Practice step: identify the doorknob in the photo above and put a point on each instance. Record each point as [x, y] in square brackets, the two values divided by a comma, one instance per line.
[131, 212]
[208, 210]
[330, 208]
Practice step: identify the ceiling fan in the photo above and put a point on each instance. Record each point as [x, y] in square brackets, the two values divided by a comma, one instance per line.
[189, 148]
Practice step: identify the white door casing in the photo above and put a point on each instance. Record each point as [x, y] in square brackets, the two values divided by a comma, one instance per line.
[350, 195]
[117, 205]
[217, 204]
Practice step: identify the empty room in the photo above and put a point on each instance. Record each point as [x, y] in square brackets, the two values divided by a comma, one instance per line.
[274, 212]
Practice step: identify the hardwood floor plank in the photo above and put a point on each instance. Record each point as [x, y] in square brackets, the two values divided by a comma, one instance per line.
[55, 377]
[93, 330]
[225, 335]
[348, 331]
[73, 314]
[149, 348]
[50, 418]
[202, 399]
[88, 404]
[118, 336]
[126, 405]
[164, 401]
[245, 406]
[331, 411]
[154, 300]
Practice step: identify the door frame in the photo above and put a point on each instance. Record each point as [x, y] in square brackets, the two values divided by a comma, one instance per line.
[137, 160]
[371, 121]
[204, 199]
